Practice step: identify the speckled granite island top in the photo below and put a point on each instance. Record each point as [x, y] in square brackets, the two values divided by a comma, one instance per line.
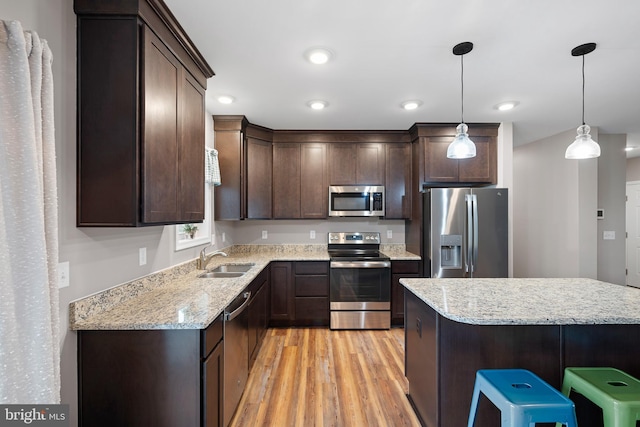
[177, 298]
[529, 301]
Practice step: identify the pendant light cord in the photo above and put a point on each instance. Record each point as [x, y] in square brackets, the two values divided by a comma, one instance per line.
[462, 89]
[583, 89]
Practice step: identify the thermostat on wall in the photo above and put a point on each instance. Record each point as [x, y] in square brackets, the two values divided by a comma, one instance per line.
[600, 214]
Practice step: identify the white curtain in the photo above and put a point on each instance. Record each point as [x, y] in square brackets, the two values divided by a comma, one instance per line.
[29, 316]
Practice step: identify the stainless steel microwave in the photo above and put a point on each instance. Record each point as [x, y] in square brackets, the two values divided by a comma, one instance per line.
[356, 200]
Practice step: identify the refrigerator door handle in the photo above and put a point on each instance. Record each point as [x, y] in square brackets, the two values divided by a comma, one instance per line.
[469, 264]
[474, 202]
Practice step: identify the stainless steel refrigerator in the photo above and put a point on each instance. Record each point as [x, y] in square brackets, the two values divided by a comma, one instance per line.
[465, 232]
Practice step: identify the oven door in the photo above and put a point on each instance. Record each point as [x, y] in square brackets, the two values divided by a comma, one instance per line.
[360, 285]
[359, 295]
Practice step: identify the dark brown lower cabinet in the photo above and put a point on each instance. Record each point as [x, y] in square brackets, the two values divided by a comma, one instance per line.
[311, 282]
[299, 293]
[212, 387]
[442, 357]
[258, 313]
[282, 297]
[150, 377]
[400, 269]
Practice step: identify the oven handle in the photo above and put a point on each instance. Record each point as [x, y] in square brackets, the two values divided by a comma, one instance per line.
[360, 264]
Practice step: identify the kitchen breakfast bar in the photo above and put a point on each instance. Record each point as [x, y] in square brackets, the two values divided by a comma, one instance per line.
[453, 327]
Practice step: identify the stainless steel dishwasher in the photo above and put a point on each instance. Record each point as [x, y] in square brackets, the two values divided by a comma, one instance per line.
[236, 354]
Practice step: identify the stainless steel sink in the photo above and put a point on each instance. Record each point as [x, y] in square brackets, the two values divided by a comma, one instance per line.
[232, 268]
[227, 270]
[220, 274]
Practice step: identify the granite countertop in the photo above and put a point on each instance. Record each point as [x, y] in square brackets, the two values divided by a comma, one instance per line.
[513, 301]
[177, 298]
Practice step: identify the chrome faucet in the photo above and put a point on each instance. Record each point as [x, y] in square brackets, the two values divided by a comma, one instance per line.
[204, 259]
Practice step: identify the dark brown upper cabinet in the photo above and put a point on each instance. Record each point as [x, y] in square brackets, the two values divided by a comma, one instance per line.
[299, 178]
[141, 84]
[245, 157]
[356, 163]
[398, 181]
[430, 154]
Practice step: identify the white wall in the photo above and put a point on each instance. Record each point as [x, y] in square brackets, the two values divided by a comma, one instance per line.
[612, 198]
[555, 200]
[505, 177]
[297, 231]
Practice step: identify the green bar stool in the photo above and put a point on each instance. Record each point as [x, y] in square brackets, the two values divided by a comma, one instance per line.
[615, 392]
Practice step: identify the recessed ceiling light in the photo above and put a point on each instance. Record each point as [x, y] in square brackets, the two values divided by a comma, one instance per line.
[506, 106]
[226, 99]
[318, 55]
[411, 105]
[318, 105]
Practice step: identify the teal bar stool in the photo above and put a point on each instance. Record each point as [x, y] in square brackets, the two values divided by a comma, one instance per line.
[614, 391]
[522, 397]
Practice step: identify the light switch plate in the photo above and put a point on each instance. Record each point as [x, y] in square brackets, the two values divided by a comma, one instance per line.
[312, 234]
[389, 234]
[142, 256]
[609, 235]
[63, 274]
[265, 234]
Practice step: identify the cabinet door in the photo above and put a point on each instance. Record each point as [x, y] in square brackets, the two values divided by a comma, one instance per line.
[257, 319]
[438, 167]
[212, 372]
[342, 164]
[481, 168]
[314, 188]
[400, 269]
[286, 181]
[258, 175]
[370, 162]
[160, 152]
[192, 150]
[398, 181]
[282, 294]
[229, 138]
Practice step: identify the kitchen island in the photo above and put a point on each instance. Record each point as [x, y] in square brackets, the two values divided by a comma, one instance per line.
[453, 327]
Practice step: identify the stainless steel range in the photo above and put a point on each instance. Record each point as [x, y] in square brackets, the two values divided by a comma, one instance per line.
[360, 282]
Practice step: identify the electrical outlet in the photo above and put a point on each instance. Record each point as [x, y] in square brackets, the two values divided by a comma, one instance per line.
[312, 234]
[224, 237]
[389, 234]
[265, 234]
[63, 274]
[142, 256]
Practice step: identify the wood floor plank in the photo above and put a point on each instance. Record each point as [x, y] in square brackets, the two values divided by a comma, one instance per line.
[318, 377]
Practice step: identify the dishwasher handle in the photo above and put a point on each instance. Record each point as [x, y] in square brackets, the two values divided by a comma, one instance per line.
[238, 311]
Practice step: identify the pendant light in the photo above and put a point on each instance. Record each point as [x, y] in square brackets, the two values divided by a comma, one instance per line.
[584, 147]
[462, 147]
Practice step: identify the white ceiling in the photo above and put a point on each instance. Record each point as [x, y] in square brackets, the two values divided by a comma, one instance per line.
[389, 51]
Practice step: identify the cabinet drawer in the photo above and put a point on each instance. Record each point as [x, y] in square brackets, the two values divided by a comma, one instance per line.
[405, 267]
[211, 336]
[312, 286]
[312, 311]
[313, 267]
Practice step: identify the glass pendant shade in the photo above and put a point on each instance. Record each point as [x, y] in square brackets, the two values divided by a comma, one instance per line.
[461, 147]
[584, 147]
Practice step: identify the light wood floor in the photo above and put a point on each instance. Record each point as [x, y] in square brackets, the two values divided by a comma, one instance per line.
[318, 377]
